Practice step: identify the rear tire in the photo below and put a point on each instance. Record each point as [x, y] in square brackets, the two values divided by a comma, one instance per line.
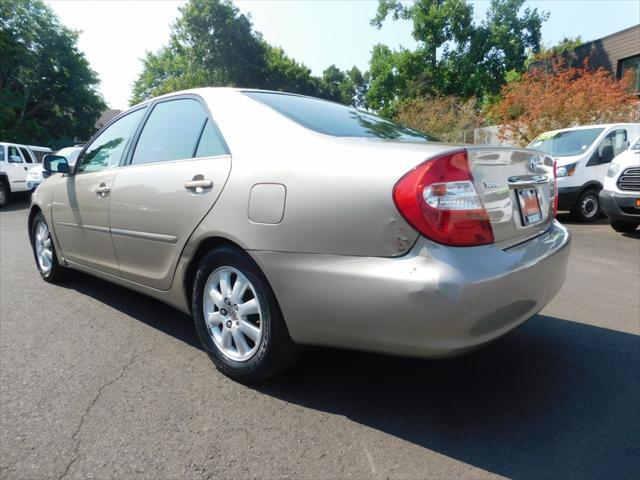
[220, 320]
[587, 208]
[623, 227]
[4, 194]
[44, 251]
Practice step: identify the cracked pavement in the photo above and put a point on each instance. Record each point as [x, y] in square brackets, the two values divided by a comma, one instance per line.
[99, 382]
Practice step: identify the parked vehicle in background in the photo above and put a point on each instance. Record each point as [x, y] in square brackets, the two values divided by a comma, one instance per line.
[15, 162]
[620, 197]
[39, 152]
[334, 227]
[37, 174]
[583, 155]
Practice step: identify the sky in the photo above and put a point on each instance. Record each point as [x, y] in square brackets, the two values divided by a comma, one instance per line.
[115, 34]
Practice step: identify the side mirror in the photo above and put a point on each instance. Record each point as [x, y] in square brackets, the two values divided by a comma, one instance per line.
[55, 164]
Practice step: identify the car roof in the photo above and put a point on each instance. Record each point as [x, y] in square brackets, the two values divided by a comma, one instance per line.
[598, 125]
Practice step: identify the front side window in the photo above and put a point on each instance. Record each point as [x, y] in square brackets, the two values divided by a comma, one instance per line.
[567, 143]
[106, 150]
[335, 119]
[612, 145]
[173, 131]
[14, 155]
[1, 153]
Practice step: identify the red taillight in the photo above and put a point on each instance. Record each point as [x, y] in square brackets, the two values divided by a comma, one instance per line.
[438, 198]
[555, 188]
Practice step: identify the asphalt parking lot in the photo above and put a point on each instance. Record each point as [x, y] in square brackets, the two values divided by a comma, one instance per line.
[100, 382]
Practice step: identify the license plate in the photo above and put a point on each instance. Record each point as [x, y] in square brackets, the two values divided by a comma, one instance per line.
[529, 205]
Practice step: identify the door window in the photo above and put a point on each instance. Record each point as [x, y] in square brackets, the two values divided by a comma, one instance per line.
[211, 143]
[1, 153]
[172, 132]
[612, 145]
[25, 155]
[14, 155]
[107, 149]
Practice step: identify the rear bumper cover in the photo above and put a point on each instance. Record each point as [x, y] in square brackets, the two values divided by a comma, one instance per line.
[620, 206]
[435, 301]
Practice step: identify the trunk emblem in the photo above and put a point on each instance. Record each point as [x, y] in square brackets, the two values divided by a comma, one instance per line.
[491, 184]
[534, 163]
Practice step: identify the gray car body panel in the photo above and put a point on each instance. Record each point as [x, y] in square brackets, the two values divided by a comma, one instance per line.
[347, 269]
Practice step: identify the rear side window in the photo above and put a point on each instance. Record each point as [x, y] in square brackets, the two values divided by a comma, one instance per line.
[211, 143]
[173, 132]
[334, 119]
[106, 150]
[25, 155]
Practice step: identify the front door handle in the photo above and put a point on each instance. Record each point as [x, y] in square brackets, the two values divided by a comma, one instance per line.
[198, 184]
[102, 190]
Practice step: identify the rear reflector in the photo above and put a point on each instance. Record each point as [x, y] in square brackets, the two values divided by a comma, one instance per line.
[438, 198]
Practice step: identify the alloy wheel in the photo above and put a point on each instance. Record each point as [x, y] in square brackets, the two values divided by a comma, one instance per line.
[44, 251]
[233, 314]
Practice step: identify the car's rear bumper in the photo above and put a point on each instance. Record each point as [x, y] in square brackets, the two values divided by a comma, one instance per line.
[620, 206]
[434, 301]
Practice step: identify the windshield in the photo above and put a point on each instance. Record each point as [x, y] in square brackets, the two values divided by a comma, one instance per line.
[565, 144]
[635, 146]
[334, 119]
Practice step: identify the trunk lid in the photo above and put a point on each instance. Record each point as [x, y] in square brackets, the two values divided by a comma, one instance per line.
[513, 184]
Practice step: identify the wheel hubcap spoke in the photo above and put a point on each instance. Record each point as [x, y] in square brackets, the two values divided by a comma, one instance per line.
[233, 314]
[43, 247]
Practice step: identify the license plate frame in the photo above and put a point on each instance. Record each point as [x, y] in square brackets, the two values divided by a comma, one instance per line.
[529, 205]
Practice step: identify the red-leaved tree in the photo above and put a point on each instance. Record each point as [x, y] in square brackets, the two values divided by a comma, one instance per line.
[559, 96]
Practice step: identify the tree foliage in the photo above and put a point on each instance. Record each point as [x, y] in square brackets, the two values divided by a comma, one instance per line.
[548, 98]
[448, 118]
[455, 56]
[213, 44]
[47, 89]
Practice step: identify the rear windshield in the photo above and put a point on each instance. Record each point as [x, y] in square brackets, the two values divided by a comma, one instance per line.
[565, 144]
[334, 119]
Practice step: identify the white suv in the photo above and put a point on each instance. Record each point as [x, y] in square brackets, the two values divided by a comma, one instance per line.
[620, 197]
[15, 162]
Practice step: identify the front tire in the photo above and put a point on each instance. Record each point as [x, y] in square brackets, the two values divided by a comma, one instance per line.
[623, 227]
[44, 251]
[238, 318]
[587, 208]
[4, 195]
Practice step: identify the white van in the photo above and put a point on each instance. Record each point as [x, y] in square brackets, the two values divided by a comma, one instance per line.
[15, 162]
[583, 155]
[620, 196]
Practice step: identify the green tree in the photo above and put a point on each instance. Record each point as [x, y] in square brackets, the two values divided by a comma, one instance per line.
[213, 44]
[455, 56]
[47, 89]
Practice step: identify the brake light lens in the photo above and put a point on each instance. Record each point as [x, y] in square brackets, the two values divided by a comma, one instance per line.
[439, 199]
[555, 188]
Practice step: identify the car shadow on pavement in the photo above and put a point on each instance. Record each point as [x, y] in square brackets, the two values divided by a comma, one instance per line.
[568, 219]
[555, 399]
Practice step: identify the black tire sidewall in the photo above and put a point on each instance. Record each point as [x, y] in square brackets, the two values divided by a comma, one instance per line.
[4, 188]
[623, 227]
[578, 207]
[260, 364]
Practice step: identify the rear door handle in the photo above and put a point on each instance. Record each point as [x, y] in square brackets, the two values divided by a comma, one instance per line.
[198, 184]
[102, 190]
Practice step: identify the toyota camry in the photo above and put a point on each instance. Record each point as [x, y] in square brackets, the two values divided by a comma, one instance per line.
[278, 220]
